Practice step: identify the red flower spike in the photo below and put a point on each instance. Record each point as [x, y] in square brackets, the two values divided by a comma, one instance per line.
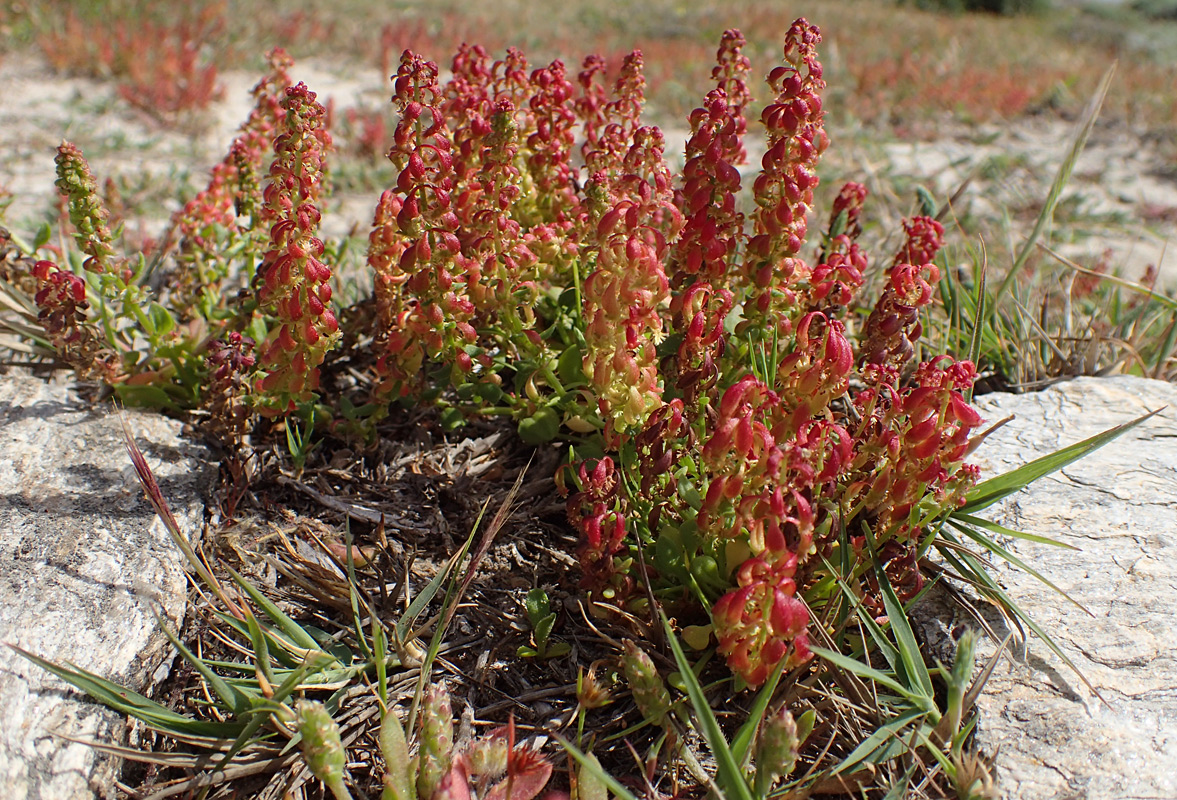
[291, 275]
[61, 299]
[784, 188]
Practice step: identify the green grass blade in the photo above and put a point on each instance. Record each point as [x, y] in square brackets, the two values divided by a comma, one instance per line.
[998, 488]
[380, 653]
[885, 735]
[973, 569]
[285, 624]
[923, 702]
[353, 594]
[728, 773]
[882, 643]
[617, 789]
[426, 595]
[742, 742]
[918, 679]
[132, 703]
[1164, 352]
[262, 713]
[450, 571]
[261, 649]
[1060, 180]
[283, 648]
[979, 316]
[1001, 552]
[989, 525]
[236, 700]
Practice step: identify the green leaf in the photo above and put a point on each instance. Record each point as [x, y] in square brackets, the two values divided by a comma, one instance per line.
[541, 427]
[998, 488]
[537, 606]
[261, 649]
[44, 234]
[261, 714]
[927, 201]
[543, 630]
[418, 604]
[729, 775]
[979, 316]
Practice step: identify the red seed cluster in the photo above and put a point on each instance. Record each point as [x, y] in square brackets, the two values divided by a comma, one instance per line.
[414, 246]
[605, 147]
[911, 444]
[214, 206]
[597, 511]
[230, 362]
[893, 326]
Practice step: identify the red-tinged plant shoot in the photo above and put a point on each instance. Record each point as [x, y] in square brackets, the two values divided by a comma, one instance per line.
[739, 426]
[435, 739]
[424, 310]
[230, 362]
[911, 448]
[623, 294]
[121, 305]
[292, 282]
[598, 512]
[893, 326]
[86, 212]
[609, 138]
[322, 748]
[649, 692]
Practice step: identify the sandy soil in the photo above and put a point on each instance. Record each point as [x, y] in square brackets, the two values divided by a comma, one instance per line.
[1123, 195]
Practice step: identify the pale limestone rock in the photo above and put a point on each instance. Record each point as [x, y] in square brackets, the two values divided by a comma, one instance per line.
[1119, 506]
[83, 560]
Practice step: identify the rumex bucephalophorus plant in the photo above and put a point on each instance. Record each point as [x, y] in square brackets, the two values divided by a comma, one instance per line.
[747, 437]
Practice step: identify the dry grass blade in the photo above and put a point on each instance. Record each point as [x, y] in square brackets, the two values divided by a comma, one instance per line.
[157, 500]
[506, 508]
[1147, 291]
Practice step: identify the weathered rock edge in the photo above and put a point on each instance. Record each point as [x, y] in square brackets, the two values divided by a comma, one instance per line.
[83, 560]
[1053, 737]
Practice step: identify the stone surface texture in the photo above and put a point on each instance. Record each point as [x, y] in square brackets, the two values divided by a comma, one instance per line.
[1057, 740]
[83, 560]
